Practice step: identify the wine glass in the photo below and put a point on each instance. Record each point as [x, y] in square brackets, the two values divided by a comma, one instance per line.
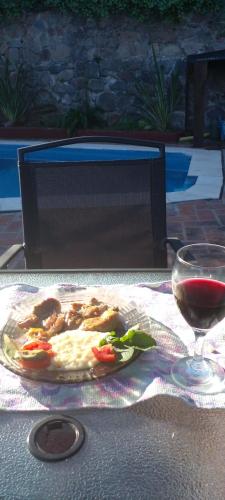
[198, 283]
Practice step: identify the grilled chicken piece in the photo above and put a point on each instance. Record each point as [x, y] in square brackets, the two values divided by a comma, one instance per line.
[55, 324]
[94, 308]
[80, 311]
[73, 320]
[76, 306]
[89, 311]
[47, 308]
[29, 322]
[47, 319]
[40, 312]
[95, 302]
[109, 320]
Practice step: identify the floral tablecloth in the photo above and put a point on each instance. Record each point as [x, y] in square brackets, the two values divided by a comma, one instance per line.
[147, 376]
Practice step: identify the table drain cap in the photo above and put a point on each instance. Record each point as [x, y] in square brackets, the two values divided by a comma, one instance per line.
[56, 438]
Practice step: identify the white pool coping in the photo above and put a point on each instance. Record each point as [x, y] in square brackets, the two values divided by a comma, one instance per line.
[205, 164]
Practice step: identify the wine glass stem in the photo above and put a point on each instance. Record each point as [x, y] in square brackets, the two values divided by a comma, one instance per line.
[198, 350]
[198, 364]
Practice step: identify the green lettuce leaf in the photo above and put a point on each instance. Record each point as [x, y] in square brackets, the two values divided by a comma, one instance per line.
[124, 355]
[138, 339]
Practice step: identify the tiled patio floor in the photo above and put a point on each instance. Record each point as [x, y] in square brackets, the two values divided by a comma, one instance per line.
[192, 221]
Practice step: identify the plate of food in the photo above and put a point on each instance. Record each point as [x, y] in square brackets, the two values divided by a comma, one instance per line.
[73, 336]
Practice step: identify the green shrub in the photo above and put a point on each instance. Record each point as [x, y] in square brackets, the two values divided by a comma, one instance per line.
[84, 117]
[140, 9]
[15, 100]
[159, 98]
[126, 123]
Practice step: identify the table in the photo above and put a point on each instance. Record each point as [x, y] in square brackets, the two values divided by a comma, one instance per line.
[159, 449]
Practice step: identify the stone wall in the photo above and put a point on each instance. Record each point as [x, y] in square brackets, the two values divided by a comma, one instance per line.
[70, 59]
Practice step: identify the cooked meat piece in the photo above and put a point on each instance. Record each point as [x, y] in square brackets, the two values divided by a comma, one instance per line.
[80, 311]
[109, 320]
[29, 322]
[95, 302]
[55, 323]
[89, 311]
[49, 322]
[40, 312]
[72, 320]
[94, 308]
[76, 306]
[47, 308]
[48, 316]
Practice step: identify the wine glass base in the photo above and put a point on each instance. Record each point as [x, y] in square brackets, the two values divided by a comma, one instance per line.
[202, 377]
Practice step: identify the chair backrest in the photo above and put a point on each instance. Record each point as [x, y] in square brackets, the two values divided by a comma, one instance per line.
[99, 203]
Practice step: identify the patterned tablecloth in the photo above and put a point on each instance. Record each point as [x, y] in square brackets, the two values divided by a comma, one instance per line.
[147, 376]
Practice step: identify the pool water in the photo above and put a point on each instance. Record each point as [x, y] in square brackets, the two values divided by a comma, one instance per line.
[177, 165]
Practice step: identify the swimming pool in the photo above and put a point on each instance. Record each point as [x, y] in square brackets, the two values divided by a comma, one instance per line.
[177, 166]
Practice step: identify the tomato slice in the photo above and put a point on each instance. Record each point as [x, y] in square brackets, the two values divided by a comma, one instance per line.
[44, 346]
[104, 354]
[51, 354]
[38, 364]
[36, 355]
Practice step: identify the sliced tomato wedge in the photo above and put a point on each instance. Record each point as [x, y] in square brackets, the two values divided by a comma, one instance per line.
[105, 353]
[38, 364]
[44, 346]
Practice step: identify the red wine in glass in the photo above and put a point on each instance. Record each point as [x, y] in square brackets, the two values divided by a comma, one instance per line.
[201, 302]
[198, 281]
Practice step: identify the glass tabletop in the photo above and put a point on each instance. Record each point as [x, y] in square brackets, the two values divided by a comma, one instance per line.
[158, 449]
[87, 277]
